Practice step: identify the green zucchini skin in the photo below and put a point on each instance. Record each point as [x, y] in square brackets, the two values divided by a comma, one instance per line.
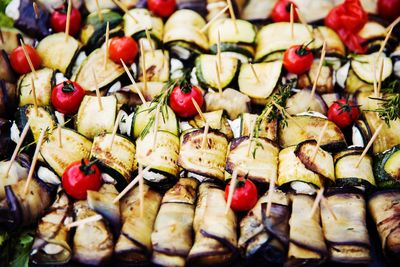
[383, 178]
[231, 47]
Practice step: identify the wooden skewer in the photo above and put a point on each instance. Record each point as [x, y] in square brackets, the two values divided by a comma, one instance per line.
[254, 72]
[219, 60]
[320, 65]
[36, 10]
[35, 103]
[218, 78]
[378, 89]
[196, 106]
[205, 27]
[291, 21]
[326, 205]
[125, 9]
[232, 189]
[375, 81]
[318, 198]
[28, 58]
[369, 144]
[304, 22]
[134, 83]
[204, 140]
[144, 73]
[156, 123]
[34, 160]
[233, 17]
[107, 45]
[59, 136]
[253, 125]
[97, 91]
[319, 140]
[141, 190]
[270, 192]
[383, 44]
[90, 219]
[130, 185]
[19, 144]
[99, 11]
[150, 42]
[68, 20]
[393, 24]
[115, 129]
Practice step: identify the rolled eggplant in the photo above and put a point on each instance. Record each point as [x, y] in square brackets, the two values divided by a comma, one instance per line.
[52, 236]
[207, 162]
[384, 207]
[215, 231]
[172, 235]
[134, 243]
[264, 239]
[345, 230]
[18, 171]
[93, 242]
[261, 165]
[307, 245]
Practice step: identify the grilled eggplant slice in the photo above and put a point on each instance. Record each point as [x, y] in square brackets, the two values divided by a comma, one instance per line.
[89, 125]
[345, 230]
[44, 82]
[93, 242]
[325, 82]
[157, 66]
[311, 126]
[265, 238]
[215, 231]
[52, 236]
[209, 161]
[134, 243]
[172, 235]
[361, 65]
[384, 207]
[307, 245]
[231, 101]
[387, 168]
[216, 120]
[8, 99]
[346, 172]
[266, 129]
[119, 162]
[298, 102]
[260, 165]
[74, 148]
[17, 172]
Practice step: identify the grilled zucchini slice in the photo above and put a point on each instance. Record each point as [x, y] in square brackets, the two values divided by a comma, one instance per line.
[157, 66]
[58, 52]
[119, 161]
[206, 70]
[362, 67]
[387, 168]
[92, 121]
[246, 33]
[216, 120]
[44, 82]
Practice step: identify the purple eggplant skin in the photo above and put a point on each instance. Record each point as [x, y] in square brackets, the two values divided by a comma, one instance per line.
[6, 71]
[29, 24]
[200, 6]
[8, 99]
[6, 144]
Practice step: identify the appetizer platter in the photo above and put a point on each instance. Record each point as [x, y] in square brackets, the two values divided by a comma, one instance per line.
[199, 133]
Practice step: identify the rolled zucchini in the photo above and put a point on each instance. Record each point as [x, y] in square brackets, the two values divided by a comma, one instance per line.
[52, 236]
[266, 129]
[172, 235]
[387, 168]
[208, 162]
[260, 165]
[134, 243]
[215, 231]
[307, 245]
[231, 101]
[44, 82]
[346, 232]
[18, 171]
[157, 66]
[217, 121]
[298, 102]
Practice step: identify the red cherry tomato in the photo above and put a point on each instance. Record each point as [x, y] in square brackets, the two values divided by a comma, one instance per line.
[80, 177]
[19, 62]
[389, 9]
[281, 11]
[180, 100]
[298, 59]
[343, 112]
[245, 195]
[162, 8]
[124, 48]
[67, 97]
[58, 20]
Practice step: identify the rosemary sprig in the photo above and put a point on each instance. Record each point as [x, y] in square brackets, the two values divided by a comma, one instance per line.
[389, 109]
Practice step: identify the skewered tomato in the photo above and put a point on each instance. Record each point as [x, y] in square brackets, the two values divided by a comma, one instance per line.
[180, 100]
[19, 62]
[67, 97]
[79, 177]
[281, 11]
[124, 48]
[58, 20]
[245, 195]
[343, 112]
[389, 9]
[162, 8]
[298, 59]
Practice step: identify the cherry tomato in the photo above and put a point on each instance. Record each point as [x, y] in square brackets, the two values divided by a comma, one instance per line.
[343, 112]
[298, 59]
[180, 100]
[67, 97]
[162, 8]
[124, 48]
[245, 195]
[389, 9]
[58, 20]
[281, 11]
[81, 176]
[19, 62]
